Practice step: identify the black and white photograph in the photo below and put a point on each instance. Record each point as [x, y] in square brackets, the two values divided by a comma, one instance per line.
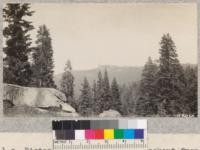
[100, 60]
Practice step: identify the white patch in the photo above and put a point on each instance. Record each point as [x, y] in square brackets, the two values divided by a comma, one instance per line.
[79, 134]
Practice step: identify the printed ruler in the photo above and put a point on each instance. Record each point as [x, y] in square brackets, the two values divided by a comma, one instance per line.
[99, 134]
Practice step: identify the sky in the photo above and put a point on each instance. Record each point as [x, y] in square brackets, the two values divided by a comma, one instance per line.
[115, 34]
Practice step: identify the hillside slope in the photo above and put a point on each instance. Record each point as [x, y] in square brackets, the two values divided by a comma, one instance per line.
[124, 75]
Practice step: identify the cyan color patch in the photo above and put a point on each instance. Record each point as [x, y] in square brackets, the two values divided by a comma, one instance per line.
[129, 133]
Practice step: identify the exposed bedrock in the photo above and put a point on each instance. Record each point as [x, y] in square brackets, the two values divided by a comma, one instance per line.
[42, 98]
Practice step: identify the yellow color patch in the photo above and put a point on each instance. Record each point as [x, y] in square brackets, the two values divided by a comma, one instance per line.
[108, 134]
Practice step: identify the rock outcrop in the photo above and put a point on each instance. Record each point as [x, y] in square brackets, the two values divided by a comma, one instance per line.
[110, 113]
[39, 98]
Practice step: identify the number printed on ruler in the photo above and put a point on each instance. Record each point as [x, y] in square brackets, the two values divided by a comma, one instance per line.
[99, 134]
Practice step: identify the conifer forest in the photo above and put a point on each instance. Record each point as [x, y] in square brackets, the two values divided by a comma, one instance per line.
[166, 86]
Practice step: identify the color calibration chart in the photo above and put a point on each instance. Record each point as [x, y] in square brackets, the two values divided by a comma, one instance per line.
[99, 134]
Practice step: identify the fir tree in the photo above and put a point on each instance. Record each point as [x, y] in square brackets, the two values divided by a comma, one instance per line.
[107, 98]
[43, 59]
[170, 79]
[116, 101]
[16, 64]
[67, 83]
[126, 98]
[129, 96]
[85, 106]
[190, 91]
[147, 101]
[100, 91]
[94, 96]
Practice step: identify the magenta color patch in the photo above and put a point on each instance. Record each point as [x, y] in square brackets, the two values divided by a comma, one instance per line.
[90, 134]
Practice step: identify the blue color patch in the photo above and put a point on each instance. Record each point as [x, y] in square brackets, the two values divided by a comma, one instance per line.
[139, 134]
[128, 134]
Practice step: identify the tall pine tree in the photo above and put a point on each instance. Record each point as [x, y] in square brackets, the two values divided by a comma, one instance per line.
[94, 96]
[147, 101]
[16, 65]
[67, 83]
[116, 101]
[43, 59]
[171, 82]
[100, 91]
[129, 96]
[85, 105]
[107, 97]
[190, 91]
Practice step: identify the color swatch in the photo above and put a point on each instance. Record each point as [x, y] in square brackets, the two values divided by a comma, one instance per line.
[99, 129]
[108, 134]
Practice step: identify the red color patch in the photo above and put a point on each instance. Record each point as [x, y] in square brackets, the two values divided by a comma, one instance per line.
[99, 134]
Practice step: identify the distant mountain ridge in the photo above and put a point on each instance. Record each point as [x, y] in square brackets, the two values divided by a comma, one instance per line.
[124, 75]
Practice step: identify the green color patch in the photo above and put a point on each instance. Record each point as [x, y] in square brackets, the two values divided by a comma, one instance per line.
[118, 134]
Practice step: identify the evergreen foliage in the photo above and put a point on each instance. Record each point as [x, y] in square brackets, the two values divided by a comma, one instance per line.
[147, 101]
[94, 96]
[191, 90]
[107, 97]
[99, 106]
[43, 59]
[67, 83]
[170, 79]
[85, 106]
[165, 89]
[17, 68]
[116, 101]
